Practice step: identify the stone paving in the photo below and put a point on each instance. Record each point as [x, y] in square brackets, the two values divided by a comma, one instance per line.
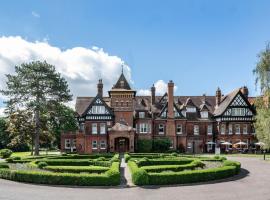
[252, 183]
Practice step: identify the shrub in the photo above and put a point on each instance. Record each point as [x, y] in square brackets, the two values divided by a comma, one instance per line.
[161, 145]
[111, 177]
[5, 153]
[139, 176]
[77, 169]
[164, 161]
[174, 154]
[101, 159]
[16, 158]
[127, 157]
[3, 166]
[191, 176]
[144, 145]
[41, 165]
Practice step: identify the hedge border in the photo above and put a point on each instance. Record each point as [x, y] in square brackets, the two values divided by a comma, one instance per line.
[142, 177]
[109, 178]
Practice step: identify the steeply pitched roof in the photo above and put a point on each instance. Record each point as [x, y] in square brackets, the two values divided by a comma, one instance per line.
[122, 83]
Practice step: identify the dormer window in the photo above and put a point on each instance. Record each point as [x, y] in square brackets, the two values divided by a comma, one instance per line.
[176, 113]
[204, 114]
[122, 84]
[184, 113]
[191, 109]
[141, 115]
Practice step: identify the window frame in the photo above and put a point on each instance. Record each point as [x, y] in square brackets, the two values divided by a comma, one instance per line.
[141, 115]
[245, 129]
[230, 129]
[208, 132]
[236, 126]
[159, 128]
[96, 131]
[223, 129]
[96, 143]
[196, 129]
[105, 145]
[69, 142]
[179, 126]
[102, 127]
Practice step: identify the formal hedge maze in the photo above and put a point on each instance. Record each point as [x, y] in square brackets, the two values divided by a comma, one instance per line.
[83, 170]
[164, 169]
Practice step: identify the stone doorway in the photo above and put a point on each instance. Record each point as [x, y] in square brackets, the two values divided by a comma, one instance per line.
[121, 144]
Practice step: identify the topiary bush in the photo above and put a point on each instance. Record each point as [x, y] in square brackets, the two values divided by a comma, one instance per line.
[3, 166]
[5, 153]
[41, 165]
[144, 145]
[139, 176]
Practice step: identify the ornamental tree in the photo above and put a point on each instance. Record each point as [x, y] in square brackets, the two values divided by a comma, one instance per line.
[36, 87]
[262, 73]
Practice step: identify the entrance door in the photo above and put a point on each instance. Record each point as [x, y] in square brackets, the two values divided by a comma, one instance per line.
[121, 144]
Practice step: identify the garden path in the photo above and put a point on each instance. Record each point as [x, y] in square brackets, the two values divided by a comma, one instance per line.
[126, 180]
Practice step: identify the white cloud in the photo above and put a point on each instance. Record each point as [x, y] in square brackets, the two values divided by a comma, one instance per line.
[161, 88]
[35, 14]
[82, 67]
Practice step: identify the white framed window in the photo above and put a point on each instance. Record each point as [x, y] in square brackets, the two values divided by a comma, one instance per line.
[74, 143]
[171, 146]
[144, 128]
[204, 114]
[102, 128]
[102, 144]
[223, 129]
[191, 109]
[81, 126]
[209, 129]
[98, 110]
[161, 129]
[209, 146]
[141, 115]
[179, 129]
[245, 129]
[230, 129]
[238, 112]
[196, 130]
[237, 128]
[94, 144]
[94, 128]
[67, 144]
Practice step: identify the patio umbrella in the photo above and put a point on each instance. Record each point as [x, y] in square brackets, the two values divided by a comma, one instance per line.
[241, 143]
[210, 143]
[259, 144]
[226, 143]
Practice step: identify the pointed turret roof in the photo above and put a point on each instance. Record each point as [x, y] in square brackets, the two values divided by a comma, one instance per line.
[122, 83]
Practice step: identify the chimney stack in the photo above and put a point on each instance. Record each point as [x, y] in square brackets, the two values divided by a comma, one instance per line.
[170, 99]
[100, 88]
[244, 91]
[153, 95]
[218, 97]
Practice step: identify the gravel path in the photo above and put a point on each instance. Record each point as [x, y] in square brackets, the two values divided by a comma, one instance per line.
[252, 183]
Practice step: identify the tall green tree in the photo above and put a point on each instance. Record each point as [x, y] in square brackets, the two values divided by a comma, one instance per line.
[4, 136]
[34, 86]
[262, 74]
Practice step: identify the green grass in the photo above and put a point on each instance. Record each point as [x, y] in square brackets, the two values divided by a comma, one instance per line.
[28, 153]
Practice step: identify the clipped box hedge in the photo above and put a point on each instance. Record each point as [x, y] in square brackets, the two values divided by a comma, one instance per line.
[109, 178]
[77, 169]
[175, 168]
[163, 161]
[141, 177]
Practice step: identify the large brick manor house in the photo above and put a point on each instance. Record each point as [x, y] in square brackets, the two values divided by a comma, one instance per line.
[193, 123]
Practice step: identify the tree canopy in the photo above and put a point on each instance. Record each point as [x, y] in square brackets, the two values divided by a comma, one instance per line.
[37, 88]
[262, 73]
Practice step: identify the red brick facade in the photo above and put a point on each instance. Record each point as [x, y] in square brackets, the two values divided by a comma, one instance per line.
[193, 124]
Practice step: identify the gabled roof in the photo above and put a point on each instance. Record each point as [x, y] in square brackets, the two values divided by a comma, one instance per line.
[82, 103]
[189, 102]
[93, 102]
[203, 107]
[122, 83]
[227, 100]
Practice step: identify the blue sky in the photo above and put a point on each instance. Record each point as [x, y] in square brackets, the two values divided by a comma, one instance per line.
[200, 45]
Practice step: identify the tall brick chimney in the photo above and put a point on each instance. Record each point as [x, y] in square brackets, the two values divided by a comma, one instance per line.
[218, 97]
[153, 95]
[170, 99]
[170, 125]
[244, 91]
[100, 88]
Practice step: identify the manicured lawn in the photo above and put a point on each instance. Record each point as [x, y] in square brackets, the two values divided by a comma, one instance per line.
[28, 153]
